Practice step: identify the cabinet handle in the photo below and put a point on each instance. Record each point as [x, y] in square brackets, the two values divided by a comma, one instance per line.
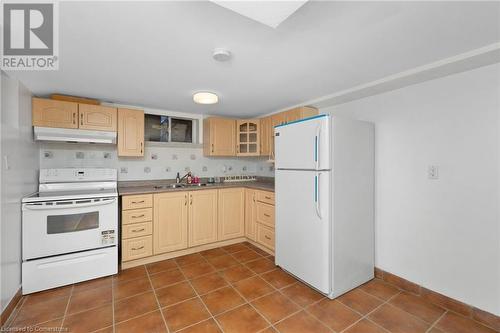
[137, 248]
[212, 147]
[268, 198]
[81, 119]
[137, 216]
[253, 197]
[141, 147]
[267, 215]
[267, 237]
[74, 118]
[138, 230]
[185, 200]
[191, 199]
[137, 202]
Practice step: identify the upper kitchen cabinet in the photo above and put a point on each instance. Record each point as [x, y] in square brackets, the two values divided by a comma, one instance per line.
[52, 113]
[130, 132]
[266, 133]
[248, 137]
[97, 117]
[219, 136]
[300, 113]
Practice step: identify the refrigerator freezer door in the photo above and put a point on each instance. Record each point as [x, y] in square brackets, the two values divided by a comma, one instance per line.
[303, 227]
[303, 145]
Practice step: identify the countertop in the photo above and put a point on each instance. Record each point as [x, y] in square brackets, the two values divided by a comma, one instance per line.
[144, 187]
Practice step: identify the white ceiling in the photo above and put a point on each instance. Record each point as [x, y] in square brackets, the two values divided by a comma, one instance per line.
[156, 54]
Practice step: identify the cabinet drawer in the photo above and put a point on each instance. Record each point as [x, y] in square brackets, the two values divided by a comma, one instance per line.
[265, 214]
[137, 201]
[265, 236]
[266, 197]
[136, 248]
[137, 230]
[137, 215]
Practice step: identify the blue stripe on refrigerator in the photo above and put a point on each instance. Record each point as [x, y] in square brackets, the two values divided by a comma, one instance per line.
[315, 188]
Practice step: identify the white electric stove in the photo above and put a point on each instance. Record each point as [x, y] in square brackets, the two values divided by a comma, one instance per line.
[70, 228]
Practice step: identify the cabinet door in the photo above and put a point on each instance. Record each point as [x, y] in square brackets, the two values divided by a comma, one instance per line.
[292, 115]
[250, 214]
[222, 137]
[97, 117]
[231, 222]
[248, 137]
[130, 132]
[202, 217]
[265, 136]
[170, 222]
[51, 113]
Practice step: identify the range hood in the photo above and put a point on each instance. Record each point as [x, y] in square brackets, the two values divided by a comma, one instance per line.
[73, 135]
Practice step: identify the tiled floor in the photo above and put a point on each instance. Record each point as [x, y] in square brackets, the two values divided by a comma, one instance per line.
[236, 288]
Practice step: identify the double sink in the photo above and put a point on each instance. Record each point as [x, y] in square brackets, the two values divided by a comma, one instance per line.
[177, 185]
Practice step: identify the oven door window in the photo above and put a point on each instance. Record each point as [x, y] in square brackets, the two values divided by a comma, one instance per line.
[59, 224]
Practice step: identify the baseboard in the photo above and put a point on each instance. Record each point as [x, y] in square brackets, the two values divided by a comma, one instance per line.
[484, 317]
[10, 307]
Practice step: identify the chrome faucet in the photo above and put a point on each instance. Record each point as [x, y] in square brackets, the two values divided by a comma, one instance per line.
[179, 180]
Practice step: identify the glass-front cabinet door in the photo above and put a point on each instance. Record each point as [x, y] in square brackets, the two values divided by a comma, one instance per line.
[248, 137]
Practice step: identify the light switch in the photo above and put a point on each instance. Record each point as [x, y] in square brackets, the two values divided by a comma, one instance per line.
[433, 172]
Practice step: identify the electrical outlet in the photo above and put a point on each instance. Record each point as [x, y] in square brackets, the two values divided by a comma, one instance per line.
[433, 172]
[123, 170]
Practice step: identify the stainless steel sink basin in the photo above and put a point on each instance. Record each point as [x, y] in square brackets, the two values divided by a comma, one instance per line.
[159, 187]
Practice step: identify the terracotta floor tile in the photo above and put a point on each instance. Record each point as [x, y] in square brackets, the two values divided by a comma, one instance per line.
[455, 323]
[49, 326]
[130, 288]
[435, 330]
[207, 326]
[486, 318]
[130, 274]
[278, 278]
[334, 314]
[235, 248]
[246, 255]
[207, 283]
[269, 330]
[259, 251]
[160, 266]
[401, 283]
[380, 289]
[185, 314]
[40, 312]
[89, 321]
[108, 329]
[175, 293]
[222, 262]
[261, 265]
[189, 259]
[301, 323]
[222, 300]
[253, 287]
[418, 306]
[88, 299]
[194, 270]
[365, 326]
[360, 301]
[398, 321]
[302, 294]
[243, 319]
[151, 323]
[213, 253]
[166, 278]
[92, 284]
[275, 306]
[135, 306]
[446, 302]
[236, 273]
[47, 295]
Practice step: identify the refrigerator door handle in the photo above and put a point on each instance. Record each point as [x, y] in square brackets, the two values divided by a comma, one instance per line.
[317, 141]
[317, 194]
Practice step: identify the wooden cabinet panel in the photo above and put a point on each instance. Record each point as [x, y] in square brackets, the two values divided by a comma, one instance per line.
[136, 248]
[137, 201]
[130, 132]
[265, 236]
[137, 230]
[231, 221]
[170, 222]
[202, 217]
[137, 215]
[250, 214]
[265, 214]
[266, 133]
[248, 137]
[266, 197]
[219, 137]
[51, 113]
[97, 117]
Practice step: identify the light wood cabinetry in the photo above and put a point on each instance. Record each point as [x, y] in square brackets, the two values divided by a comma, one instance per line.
[202, 217]
[300, 113]
[130, 132]
[170, 216]
[266, 134]
[248, 137]
[219, 136]
[136, 248]
[97, 117]
[231, 221]
[265, 219]
[250, 214]
[265, 236]
[137, 226]
[51, 113]
[137, 201]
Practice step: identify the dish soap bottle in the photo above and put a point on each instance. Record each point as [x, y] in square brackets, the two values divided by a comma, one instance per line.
[178, 178]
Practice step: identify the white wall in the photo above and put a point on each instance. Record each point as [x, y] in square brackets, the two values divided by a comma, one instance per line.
[443, 234]
[20, 161]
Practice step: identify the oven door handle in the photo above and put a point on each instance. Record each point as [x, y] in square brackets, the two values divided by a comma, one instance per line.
[75, 204]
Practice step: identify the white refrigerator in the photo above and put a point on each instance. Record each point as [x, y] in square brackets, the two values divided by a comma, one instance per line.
[324, 169]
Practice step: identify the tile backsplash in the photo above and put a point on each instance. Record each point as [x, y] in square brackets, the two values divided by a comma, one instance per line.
[157, 163]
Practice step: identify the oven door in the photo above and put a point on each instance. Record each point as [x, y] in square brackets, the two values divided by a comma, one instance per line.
[66, 226]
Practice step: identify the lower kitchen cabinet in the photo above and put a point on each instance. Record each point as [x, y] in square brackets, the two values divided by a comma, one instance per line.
[170, 217]
[231, 221]
[250, 214]
[202, 224]
[136, 248]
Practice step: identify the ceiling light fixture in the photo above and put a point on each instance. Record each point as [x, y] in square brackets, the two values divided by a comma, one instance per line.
[205, 97]
[221, 54]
